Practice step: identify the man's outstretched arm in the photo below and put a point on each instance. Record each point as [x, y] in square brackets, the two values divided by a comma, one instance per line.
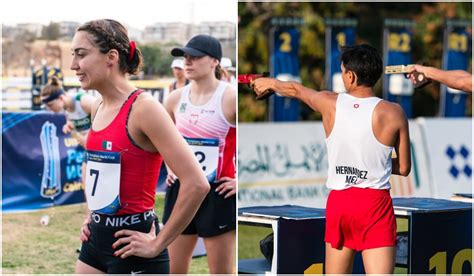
[317, 100]
[457, 79]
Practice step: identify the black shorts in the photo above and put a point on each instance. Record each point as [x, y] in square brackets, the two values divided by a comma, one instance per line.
[98, 252]
[215, 216]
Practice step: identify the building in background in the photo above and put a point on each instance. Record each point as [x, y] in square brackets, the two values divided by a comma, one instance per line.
[180, 33]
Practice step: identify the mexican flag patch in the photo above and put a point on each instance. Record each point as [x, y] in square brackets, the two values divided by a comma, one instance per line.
[107, 145]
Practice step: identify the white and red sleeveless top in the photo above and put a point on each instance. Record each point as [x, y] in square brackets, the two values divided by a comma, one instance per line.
[210, 135]
[356, 158]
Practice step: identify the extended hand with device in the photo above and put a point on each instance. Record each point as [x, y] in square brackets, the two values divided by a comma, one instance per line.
[249, 78]
[419, 80]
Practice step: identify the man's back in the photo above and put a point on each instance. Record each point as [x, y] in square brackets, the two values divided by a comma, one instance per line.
[387, 120]
[355, 156]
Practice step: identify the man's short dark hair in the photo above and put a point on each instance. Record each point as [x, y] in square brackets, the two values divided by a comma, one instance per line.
[364, 61]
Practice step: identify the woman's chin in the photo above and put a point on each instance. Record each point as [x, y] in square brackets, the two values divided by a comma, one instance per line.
[85, 86]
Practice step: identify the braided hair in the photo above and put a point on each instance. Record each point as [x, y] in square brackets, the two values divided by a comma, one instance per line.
[110, 34]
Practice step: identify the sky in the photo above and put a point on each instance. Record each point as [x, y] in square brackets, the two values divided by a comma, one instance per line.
[134, 13]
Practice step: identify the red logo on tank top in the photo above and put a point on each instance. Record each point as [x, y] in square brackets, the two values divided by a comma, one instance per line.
[356, 105]
[194, 119]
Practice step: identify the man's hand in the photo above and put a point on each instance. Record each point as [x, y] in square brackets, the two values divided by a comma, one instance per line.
[456, 79]
[227, 187]
[419, 75]
[263, 87]
[136, 243]
[249, 79]
[283, 88]
[418, 68]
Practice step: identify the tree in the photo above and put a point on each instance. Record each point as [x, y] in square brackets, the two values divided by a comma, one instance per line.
[17, 52]
[157, 61]
[254, 20]
[51, 32]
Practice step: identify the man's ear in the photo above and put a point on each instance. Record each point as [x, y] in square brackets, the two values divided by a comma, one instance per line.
[353, 77]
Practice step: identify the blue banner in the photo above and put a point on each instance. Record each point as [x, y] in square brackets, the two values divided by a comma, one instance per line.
[339, 36]
[441, 243]
[438, 239]
[456, 56]
[397, 51]
[41, 164]
[285, 66]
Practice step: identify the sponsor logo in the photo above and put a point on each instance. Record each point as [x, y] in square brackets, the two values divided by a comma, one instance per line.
[207, 111]
[51, 180]
[82, 124]
[459, 161]
[120, 221]
[182, 108]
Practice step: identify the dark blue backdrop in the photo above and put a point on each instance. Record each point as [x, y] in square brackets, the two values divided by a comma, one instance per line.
[23, 162]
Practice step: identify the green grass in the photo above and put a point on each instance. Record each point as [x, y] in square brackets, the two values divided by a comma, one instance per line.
[250, 236]
[30, 248]
[249, 241]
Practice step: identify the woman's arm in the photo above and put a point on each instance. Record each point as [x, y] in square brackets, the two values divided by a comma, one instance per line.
[154, 122]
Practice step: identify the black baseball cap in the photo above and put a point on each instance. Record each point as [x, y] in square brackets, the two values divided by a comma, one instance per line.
[200, 45]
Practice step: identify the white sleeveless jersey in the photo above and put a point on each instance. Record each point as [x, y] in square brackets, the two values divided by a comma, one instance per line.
[356, 158]
[205, 126]
[79, 118]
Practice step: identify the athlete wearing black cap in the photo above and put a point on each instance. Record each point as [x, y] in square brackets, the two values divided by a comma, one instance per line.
[200, 45]
[204, 112]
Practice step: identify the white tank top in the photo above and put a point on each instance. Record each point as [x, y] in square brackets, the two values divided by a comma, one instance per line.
[356, 158]
[79, 118]
[208, 132]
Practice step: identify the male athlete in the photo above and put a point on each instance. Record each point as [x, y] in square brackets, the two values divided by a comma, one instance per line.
[361, 132]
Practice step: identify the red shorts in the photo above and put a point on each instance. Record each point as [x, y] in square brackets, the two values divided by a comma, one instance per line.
[360, 219]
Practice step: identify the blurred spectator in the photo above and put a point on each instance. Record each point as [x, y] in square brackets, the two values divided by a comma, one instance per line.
[228, 71]
[178, 72]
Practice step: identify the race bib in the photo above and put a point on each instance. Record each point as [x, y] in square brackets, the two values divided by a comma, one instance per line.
[206, 151]
[103, 182]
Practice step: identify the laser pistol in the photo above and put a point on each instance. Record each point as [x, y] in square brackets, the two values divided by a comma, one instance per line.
[249, 78]
[420, 79]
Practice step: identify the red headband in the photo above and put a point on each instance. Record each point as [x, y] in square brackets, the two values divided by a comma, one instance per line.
[132, 50]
